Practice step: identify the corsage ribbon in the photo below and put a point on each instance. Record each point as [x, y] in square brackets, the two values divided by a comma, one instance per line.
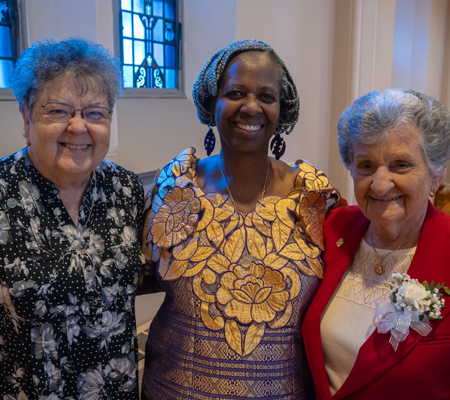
[389, 318]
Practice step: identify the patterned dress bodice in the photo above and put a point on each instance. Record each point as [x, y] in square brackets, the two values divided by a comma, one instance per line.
[67, 324]
[228, 330]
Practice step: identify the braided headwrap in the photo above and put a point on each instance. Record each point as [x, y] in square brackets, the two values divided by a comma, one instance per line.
[207, 85]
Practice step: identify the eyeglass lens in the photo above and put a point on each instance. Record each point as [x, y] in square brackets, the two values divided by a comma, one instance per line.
[63, 112]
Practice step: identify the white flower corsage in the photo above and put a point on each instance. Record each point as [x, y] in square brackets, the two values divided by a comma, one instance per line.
[411, 305]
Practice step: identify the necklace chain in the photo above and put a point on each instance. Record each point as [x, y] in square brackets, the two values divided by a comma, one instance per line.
[379, 267]
[249, 258]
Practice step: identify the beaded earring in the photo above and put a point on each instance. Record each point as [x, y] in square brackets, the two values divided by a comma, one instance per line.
[278, 146]
[210, 141]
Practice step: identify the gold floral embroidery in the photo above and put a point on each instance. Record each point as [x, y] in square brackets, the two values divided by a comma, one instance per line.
[313, 210]
[252, 294]
[176, 218]
[202, 237]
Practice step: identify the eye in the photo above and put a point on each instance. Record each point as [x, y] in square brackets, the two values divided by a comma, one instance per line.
[95, 113]
[235, 94]
[400, 166]
[268, 98]
[365, 167]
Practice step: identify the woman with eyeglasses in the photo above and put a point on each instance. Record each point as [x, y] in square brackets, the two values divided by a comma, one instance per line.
[70, 234]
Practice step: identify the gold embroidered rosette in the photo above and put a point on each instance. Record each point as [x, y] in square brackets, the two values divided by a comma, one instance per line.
[198, 236]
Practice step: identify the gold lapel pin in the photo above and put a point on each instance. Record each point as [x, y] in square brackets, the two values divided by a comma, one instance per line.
[340, 242]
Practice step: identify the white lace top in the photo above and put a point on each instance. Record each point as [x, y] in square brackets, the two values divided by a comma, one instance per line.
[348, 319]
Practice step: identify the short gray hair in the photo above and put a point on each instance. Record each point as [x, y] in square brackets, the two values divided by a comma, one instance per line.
[206, 88]
[371, 118]
[48, 60]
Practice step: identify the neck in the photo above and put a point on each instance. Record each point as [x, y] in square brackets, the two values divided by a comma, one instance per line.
[381, 238]
[245, 178]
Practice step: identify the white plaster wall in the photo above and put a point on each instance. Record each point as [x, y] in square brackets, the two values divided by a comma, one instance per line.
[301, 32]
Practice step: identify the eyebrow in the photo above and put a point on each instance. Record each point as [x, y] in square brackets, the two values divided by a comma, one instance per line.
[396, 156]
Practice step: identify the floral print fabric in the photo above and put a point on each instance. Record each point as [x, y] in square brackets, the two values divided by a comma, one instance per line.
[215, 300]
[67, 324]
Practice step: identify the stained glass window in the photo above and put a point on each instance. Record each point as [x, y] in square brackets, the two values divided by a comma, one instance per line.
[149, 43]
[8, 40]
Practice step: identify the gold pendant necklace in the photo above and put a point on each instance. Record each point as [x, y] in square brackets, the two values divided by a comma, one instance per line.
[248, 258]
[379, 267]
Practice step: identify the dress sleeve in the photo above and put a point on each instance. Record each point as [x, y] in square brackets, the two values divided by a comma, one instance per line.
[316, 198]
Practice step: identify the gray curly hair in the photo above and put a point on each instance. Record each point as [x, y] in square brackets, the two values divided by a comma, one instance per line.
[372, 117]
[206, 88]
[50, 59]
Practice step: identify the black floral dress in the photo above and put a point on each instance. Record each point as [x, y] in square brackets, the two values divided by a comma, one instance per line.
[67, 322]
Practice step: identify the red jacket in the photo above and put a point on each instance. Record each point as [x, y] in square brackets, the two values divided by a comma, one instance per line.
[420, 368]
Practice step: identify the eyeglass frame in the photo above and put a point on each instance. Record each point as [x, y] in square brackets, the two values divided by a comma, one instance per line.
[74, 110]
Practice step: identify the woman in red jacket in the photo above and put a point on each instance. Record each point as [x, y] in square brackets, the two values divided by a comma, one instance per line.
[374, 331]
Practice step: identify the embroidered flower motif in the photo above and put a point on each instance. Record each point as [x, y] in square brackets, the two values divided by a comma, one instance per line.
[176, 217]
[252, 294]
[410, 305]
[313, 210]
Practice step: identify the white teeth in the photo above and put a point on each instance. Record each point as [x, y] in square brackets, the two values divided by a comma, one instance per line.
[73, 146]
[249, 127]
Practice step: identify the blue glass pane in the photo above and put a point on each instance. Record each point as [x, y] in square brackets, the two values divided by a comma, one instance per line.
[158, 31]
[126, 22]
[169, 34]
[158, 54]
[139, 52]
[171, 79]
[170, 56]
[158, 79]
[138, 6]
[169, 9]
[6, 68]
[127, 51]
[127, 77]
[149, 34]
[158, 8]
[126, 5]
[139, 30]
[141, 77]
[5, 42]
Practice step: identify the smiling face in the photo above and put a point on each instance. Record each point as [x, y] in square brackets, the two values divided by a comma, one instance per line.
[248, 105]
[392, 180]
[68, 151]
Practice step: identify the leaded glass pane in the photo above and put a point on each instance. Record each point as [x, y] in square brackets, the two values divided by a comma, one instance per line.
[5, 41]
[158, 8]
[170, 56]
[139, 30]
[150, 33]
[127, 51]
[6, 69]
[139, 52]
[8, 40]
[127, 77]
[138, 6]
[126, 25]
[126, 5]
[158, 31]
[169, 9]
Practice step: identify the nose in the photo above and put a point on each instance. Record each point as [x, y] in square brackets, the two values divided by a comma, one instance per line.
[382, 181]
[77, 124]
[251, 105]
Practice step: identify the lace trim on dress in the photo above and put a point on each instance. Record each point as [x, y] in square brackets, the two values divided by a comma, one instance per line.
[361, 284]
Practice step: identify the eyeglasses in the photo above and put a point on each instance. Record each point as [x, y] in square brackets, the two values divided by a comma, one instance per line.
[60, 112]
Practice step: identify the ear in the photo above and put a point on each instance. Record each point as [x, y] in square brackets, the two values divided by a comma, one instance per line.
[26, 123]
[436, 183]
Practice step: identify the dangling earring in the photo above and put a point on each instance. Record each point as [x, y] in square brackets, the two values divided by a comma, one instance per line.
[28, 143]
[431, 193]
[210, 141]
[278, 146]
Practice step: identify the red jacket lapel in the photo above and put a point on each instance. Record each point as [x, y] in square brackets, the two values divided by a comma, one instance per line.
[377, 356]
[347, 227]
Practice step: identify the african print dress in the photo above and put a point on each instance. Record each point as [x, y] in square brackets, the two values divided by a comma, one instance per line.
[228, 330]
[67, 321]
